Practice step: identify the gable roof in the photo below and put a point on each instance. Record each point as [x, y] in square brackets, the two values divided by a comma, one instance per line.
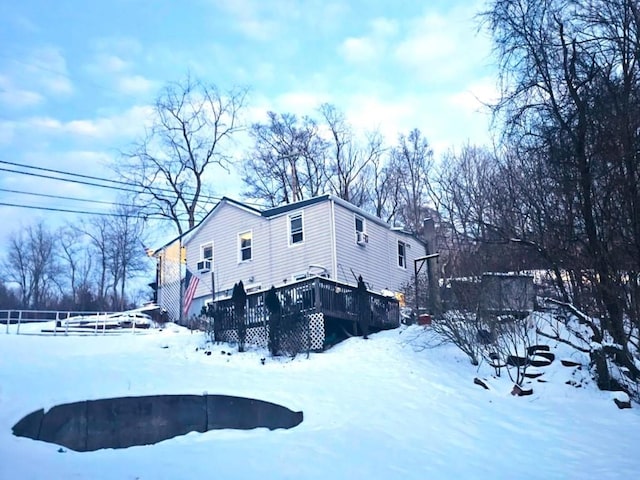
[272, 212]
[189, 234]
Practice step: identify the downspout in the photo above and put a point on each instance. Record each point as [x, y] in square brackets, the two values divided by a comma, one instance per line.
[334, 248]
[272, 280]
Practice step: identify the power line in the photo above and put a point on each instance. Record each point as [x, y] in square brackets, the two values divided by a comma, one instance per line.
[76, 199]
[83, 212]
[80, 182]
[122, 185]
[61, 172]
[60, 197]
[66, 75]
[207, 198]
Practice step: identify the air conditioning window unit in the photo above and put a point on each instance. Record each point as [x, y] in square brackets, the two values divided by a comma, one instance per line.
[362, 238]
[203, 266]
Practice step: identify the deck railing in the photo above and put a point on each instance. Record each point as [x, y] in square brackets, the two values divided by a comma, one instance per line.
[313, 295]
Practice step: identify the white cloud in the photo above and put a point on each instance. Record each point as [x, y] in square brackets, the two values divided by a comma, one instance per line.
[439, 46]
[17, 98]
[477, 96]
[265, 20]
[389, 116]
[254, 19]
[123, 126]
[118, 46]
[300, 102]
[115, 63]
[29, 81]
[42, 123]
[430, 38]
[358, 50]
[371, 48]
[443, 47]
[135, 84]
[107, 63]
[384, 27]
[55, 78]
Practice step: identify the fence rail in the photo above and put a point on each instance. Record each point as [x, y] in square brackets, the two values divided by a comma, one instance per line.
[20, 317]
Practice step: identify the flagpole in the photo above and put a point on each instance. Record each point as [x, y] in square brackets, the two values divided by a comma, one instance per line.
[182, 285]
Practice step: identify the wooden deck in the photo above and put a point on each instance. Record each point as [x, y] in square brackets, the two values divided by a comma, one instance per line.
[300, 302]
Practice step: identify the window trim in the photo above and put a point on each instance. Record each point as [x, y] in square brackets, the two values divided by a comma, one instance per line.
[360, 234]
[202, 248]
[403, 256]
[290, 217]
[240, 234]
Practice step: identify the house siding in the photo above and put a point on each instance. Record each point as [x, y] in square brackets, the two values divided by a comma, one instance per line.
[329, 241]
[273, 261]
[316, 249]
[377, 260]
[222, 228]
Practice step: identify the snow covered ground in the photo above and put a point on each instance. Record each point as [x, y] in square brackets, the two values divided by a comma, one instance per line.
[382, 408]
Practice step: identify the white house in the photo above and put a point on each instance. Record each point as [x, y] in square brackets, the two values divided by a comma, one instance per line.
[323, 236]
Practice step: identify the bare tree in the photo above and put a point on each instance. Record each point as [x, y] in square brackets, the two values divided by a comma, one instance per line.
[349, 161]
[31, 262]
[192, 124]
[8, 298]
[412, 162]
[384, 190]
[570, 98]
[466, 186]
[462, 330]
[286, 162]
[125, 251]
[97, 229]
[75, 261]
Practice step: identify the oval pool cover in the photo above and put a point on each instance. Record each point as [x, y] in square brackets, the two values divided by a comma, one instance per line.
[127, 421]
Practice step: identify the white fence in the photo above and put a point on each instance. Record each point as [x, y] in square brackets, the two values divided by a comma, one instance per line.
[64, 322]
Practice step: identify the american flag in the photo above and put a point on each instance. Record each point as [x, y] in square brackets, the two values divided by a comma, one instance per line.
[191, 283]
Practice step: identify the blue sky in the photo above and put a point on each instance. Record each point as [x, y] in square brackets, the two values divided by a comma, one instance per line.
[77, 77]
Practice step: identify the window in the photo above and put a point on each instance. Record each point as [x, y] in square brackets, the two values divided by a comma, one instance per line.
[295, 229]
[206, 251]
[361, 235]
[402, 254]
[246, 242]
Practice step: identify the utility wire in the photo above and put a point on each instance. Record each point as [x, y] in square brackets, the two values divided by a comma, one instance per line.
[61, 172]
[122, 185]
[61, 197]
[81, 182]
[66, 75]
[106, 214]
[135, 188]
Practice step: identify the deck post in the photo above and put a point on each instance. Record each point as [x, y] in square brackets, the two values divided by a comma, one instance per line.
[316, 292]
